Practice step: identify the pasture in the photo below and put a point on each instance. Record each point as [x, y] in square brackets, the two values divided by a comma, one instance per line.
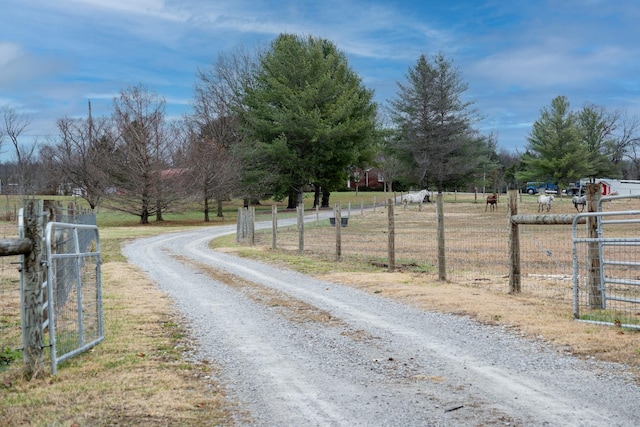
[476, 242]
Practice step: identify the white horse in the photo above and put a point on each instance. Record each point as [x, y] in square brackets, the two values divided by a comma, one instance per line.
[544, 201]
[579, 200]
[414, 198]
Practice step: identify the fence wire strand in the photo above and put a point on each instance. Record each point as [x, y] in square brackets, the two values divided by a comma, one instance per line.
[476, 244]
[10, 329]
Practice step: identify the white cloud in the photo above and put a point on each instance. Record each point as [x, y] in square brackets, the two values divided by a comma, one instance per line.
[544, 67]
[19, 67]
[8, 53]
[140, 8]
[102, 95]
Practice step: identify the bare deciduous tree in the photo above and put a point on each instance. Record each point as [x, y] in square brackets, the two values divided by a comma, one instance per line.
[141, 154]
[626, 143]
[214, 129]
[14, 124]
[83, 149]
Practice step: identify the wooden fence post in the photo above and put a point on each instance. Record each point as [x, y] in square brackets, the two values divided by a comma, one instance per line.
[515, 284]
[392, 237]
[240, 225]
[442, 265]
[32, 338]
[251, 225]
[300, 218]
[593, 248]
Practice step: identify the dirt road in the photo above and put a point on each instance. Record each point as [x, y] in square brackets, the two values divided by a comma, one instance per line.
[297, 351]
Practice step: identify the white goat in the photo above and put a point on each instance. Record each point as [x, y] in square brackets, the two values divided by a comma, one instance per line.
[579, 200]
[544, 200]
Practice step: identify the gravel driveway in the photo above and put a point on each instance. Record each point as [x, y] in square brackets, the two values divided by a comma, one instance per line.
[296, 351]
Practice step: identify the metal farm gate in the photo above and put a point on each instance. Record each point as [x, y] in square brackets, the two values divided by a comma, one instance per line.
[74, 289]
[71, 296]
[606, 267]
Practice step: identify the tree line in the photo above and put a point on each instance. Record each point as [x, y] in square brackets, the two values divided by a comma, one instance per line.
[294, 117]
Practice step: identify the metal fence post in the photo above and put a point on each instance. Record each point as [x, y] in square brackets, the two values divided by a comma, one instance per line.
[338, 216]
[515, 285]
[274, 226]
[392, 237]
[442, 265]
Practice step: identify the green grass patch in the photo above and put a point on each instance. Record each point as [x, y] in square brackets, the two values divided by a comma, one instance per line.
[8, 356]
[610, 316]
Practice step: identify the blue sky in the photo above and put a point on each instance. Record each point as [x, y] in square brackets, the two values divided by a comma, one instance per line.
[516, 56]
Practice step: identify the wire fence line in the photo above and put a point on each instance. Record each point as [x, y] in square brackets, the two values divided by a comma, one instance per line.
[476, 242]
[10, 328]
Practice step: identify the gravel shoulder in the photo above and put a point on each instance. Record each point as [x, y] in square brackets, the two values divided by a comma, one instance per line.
[299, 351]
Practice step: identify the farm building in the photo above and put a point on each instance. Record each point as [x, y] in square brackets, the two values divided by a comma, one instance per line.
[369, 177]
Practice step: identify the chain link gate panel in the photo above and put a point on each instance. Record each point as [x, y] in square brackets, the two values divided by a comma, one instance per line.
[73, 289]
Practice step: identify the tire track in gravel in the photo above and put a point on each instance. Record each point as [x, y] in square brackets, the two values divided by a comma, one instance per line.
[292, 309]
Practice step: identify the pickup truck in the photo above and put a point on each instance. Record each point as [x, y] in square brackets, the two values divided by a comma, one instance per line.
[533, 187]
[576, 188]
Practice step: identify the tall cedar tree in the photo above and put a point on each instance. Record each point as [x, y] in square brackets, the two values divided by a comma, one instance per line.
[435, 138]
[555, 151]
[307, 118]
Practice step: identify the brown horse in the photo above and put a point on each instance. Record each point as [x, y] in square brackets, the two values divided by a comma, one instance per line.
[492, 202]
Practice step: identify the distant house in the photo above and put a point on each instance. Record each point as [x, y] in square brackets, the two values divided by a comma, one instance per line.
[368, 177]
[172, 173]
